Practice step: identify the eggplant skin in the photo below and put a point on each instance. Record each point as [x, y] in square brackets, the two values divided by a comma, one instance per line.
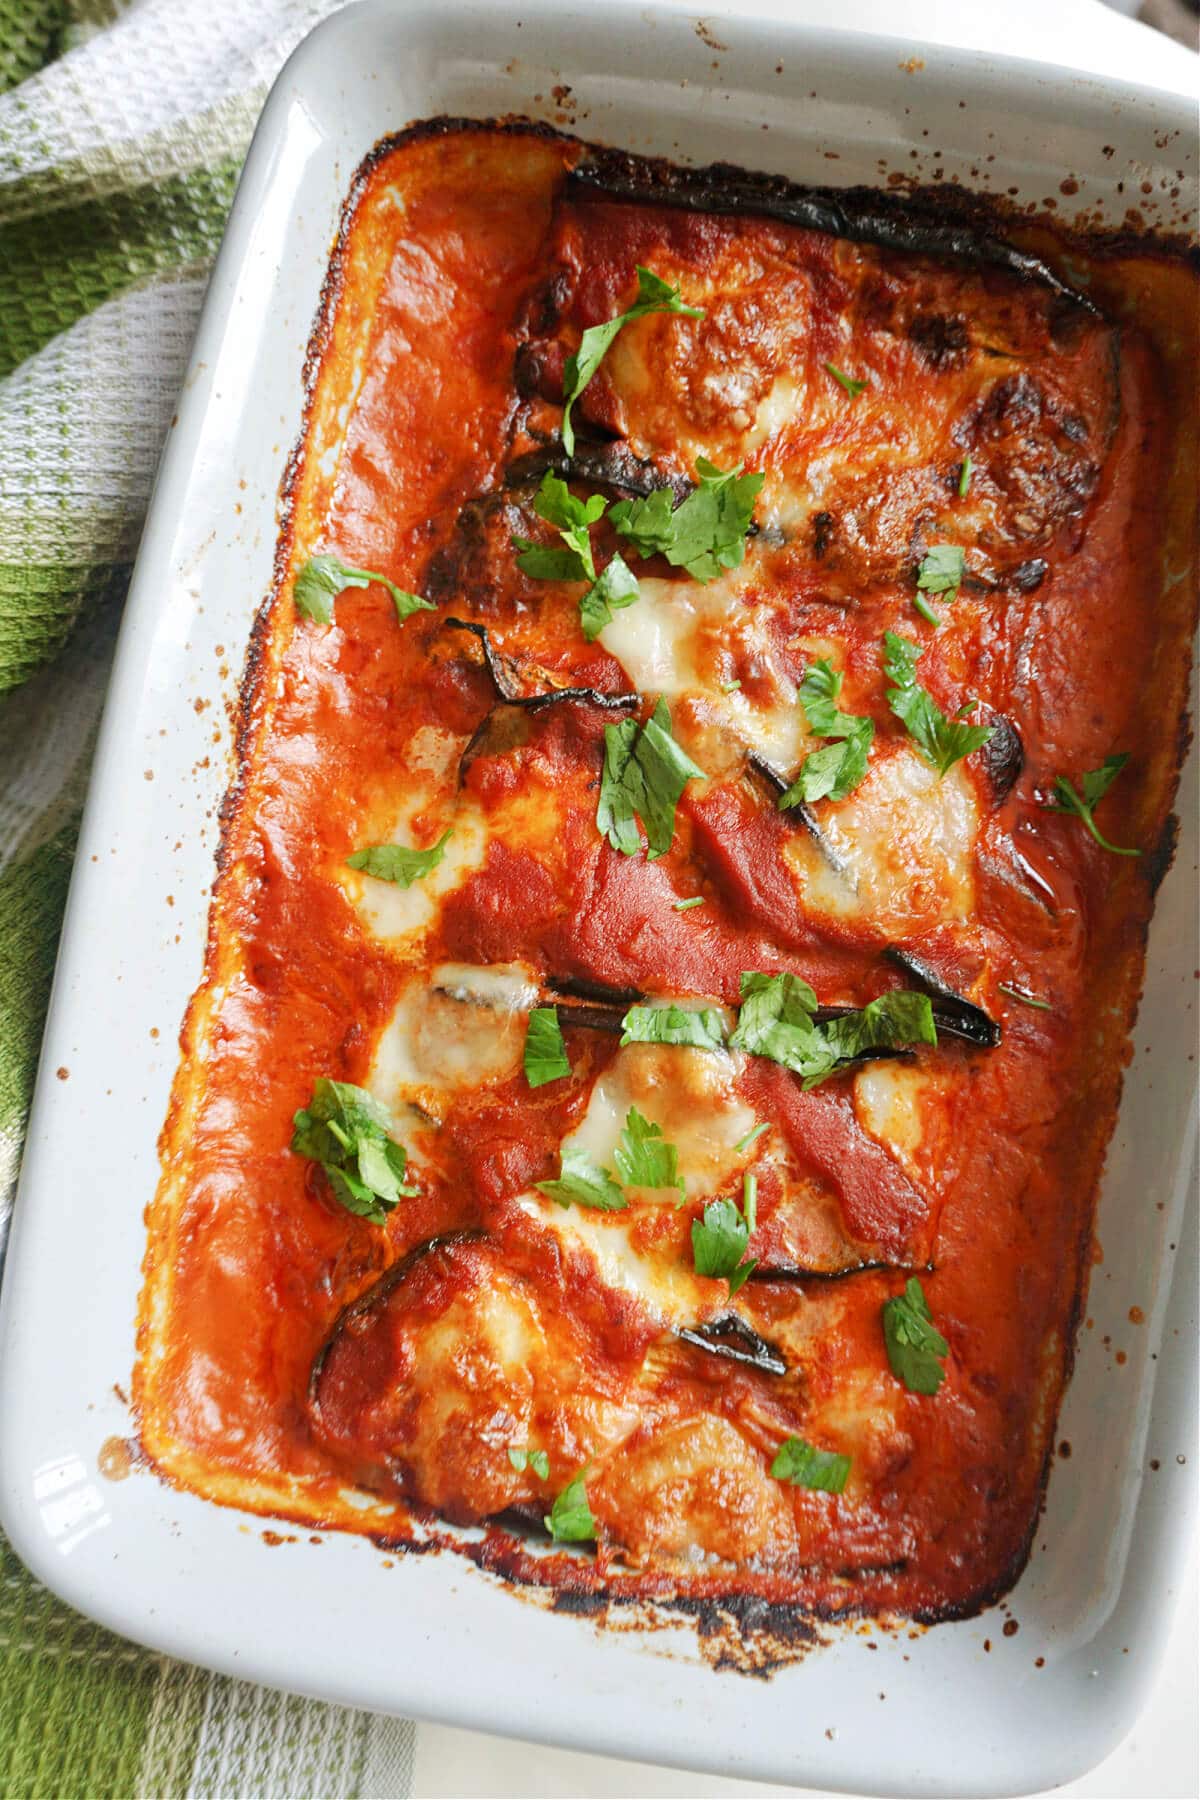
[914, 225]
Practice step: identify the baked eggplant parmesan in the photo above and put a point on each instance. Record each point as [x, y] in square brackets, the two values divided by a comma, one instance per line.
[704, 769]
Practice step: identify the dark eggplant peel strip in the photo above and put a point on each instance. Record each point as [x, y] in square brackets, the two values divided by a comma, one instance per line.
[600, 465]
[953, 1013]
[372, 1297]
[731, 1337]
[860, 215]
[502, 683]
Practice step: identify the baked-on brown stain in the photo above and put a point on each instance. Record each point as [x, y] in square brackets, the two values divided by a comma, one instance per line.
[115, 1461]
[462, 306]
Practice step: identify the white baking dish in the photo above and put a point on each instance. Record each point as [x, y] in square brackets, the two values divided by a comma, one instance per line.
[906, 1713]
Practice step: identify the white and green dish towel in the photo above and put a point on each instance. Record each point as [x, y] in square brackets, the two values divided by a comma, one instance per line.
[122, 131]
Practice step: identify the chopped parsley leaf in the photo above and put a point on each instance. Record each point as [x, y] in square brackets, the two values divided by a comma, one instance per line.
[914, 1344]
[776, 1021]
[645, 772]
[654, 296]
[750, 1198]
[836, 769]
[580, 1182]
[323, 578]
[687, 905]
[751, 1137]
[853, 387]
[643, 1156]
[570, 1519]
[719, 1242]
[345, 1129]
[522, 1458]
[545, 1053]
[614, 588]
[1017, 993]
[1082, 801]
[802, 1465]
[397, 863]
[964, 476]
[941, 570]
[702, 1029]
[705, 533]
[943, 741]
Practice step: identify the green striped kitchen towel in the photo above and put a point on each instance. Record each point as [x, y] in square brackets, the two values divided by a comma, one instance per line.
[122, 130]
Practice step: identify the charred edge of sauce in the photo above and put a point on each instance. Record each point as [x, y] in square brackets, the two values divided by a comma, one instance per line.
[586, 696]
[612, 465]
[379, 1290]
[927, 204]
[952, 1012]
[1158, 860]
[748, 1346]
[1003, 758]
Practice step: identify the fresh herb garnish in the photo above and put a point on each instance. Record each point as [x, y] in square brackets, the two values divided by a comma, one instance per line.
[395, 862]
[836, 769]
[687, 905]
[853, 387]
[573, 518]
[345, 1129]
[914, 1344]
[942, 740]
[719, 1242]
[964, 476]
[645, 772]
[705, 533]
[696, 1030]
[804, 1466]
[545, 1053]
[570, 1519]
[643, 1156]
[522, 1458]
[1017, 993]
[654, 296]
[323, 578]
[751, 1136]
[1083, 800]
[776, 1021]
[612, 589]
[750, 1198]
[941, 570]
[581, 1183]
[730, 687]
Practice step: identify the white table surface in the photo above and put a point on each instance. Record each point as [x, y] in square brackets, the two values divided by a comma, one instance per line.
[1160, 1759]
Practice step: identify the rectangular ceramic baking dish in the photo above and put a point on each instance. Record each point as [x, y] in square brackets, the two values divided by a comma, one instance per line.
[1025, 1696]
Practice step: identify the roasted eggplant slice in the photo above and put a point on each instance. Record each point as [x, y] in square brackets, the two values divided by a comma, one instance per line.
[731, 1337]
[953, 1013]
[602, 465]
[510, 695]
[1003, 758]
[862, 215]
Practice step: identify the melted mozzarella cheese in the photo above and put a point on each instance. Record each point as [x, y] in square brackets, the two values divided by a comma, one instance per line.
[391, 912]
[691, 1096]
[888, 1104]
[462, 1027]
[904, 845]
[685, 638]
